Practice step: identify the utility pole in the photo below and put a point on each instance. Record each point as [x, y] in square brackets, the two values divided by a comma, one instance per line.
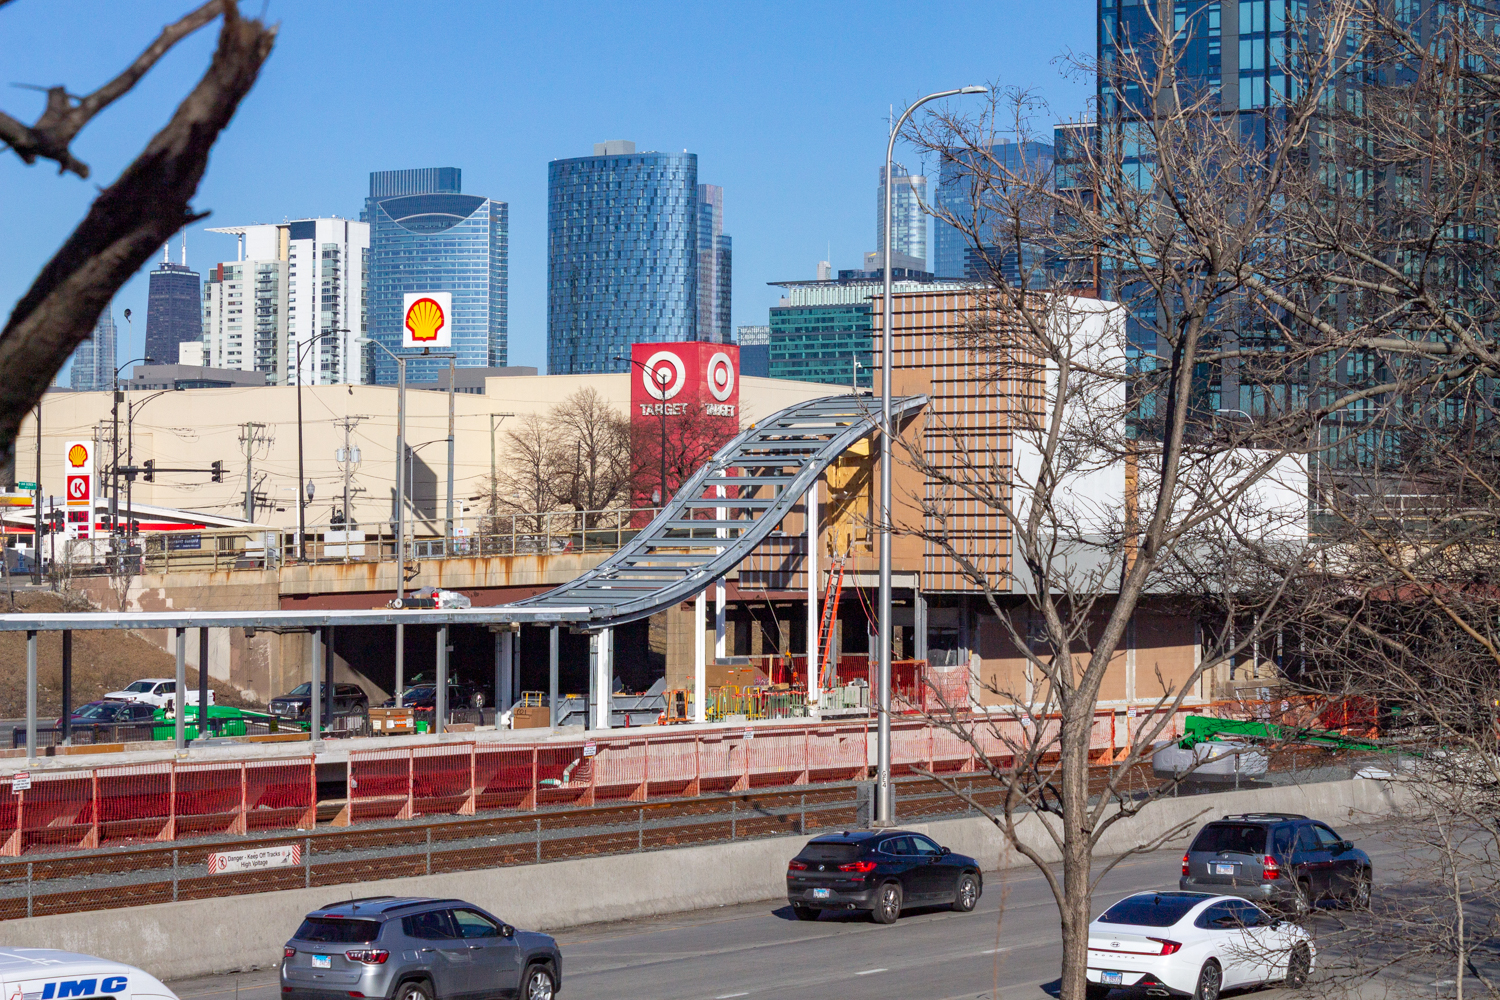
[36, 505]
[448, 524]
[350, 458]
[493, 472]
[251, 434]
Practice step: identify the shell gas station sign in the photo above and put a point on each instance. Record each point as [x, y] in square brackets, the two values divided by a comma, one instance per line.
[427, 320]
[78, 468]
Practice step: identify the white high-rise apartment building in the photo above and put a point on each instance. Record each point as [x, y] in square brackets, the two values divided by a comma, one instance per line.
[245, 318]
[324, 267]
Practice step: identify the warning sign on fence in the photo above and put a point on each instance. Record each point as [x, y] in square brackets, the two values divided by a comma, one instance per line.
[589, 749]
[21, 781]
[259, 859]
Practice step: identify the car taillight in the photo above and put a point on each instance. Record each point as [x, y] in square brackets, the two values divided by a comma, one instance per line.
[288, 952]
[858, 866]
[1167, 947]
[1184, 866]
[796, 866]
[369, 956]
[1269, 868]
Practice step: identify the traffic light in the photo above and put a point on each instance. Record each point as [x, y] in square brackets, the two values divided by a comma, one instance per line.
[216, 471]
[148, 469]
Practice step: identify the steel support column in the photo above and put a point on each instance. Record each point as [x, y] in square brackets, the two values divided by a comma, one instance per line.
[179, 693]
[552, 675]
[700, 666]
[440, 714]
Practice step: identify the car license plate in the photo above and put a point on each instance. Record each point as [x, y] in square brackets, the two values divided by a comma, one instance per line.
[322, 962]
[1112, 978]
[1223, 869]
[821, 893]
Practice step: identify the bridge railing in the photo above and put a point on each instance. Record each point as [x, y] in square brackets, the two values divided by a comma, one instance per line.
[540, 533]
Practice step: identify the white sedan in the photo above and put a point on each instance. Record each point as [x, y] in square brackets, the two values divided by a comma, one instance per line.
[1193, 944]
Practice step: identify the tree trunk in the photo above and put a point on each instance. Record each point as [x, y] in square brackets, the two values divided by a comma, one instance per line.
[1077, 850]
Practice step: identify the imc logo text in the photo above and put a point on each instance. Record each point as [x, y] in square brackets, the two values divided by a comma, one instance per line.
[83, 987]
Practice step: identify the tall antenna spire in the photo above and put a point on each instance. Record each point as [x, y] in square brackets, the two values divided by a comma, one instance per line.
[184, 246]
[166, 252]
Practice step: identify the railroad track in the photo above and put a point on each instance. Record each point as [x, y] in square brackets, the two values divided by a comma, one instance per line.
[137, 876]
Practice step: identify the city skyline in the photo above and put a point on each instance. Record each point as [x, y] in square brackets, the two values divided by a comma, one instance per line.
[797, 171]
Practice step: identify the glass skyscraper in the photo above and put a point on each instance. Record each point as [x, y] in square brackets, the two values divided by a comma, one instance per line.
[908, 216]
[93, 365]
[955, 195]
[715, 266]
[429, 237]
[622, 255]
[174, 310]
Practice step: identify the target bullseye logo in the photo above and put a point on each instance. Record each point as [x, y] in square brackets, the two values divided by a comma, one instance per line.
[664, 375]
[720, 376]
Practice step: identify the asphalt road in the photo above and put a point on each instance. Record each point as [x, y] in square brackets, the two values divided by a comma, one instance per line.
[1008, 946]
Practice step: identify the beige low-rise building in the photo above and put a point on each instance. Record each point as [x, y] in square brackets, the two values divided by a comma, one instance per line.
[255, 433]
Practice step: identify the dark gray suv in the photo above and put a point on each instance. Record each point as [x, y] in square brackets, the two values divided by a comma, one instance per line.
[1281, 860]
[406, 948]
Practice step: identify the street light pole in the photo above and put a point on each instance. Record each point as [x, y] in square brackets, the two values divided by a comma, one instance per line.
[884, 808]
[114, 467]
[661, 380]
[300, 352]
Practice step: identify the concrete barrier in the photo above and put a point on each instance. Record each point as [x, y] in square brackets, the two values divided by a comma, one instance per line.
[175, 940]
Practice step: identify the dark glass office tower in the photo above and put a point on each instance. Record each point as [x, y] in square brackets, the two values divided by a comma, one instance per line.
[955, 194]
[174, 311]
[436, 241]
[622, 255]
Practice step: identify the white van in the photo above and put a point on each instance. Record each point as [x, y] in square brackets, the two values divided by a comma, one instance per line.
[49, 974]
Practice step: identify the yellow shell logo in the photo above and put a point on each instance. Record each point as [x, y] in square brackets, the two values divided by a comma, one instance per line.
[78, 456]
[424, 319]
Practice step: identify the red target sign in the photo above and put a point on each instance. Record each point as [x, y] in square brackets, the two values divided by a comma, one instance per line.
[78, 489]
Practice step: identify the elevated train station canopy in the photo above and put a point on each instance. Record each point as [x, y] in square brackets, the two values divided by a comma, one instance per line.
[763, 473]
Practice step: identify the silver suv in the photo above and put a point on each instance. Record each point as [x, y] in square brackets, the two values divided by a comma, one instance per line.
[409, 948]
[1283, 860]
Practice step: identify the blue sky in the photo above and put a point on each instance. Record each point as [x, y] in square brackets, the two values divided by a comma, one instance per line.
[784, 103]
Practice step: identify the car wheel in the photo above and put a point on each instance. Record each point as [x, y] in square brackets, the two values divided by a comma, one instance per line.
[1297, 967]
[1301, 899]
[538, 984]
[887, 904]
[1359, 897]
[967, 896]
[1210, 979]
[414, 990]
[806, 912]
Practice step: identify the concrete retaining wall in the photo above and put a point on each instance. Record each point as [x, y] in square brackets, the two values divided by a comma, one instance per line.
[173, 940]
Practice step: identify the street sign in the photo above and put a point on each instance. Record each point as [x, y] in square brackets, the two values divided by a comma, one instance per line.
[28, 486]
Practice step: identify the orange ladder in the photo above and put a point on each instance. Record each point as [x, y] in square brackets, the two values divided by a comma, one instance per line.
[829, 619]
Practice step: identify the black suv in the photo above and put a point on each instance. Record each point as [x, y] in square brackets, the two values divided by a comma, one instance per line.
[412, 948]
[347, 700]
[880, 871]
[1277, 859]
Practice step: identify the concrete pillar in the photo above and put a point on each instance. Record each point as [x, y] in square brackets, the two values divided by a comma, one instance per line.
[552, 675]
[179, 692]
[604, 678]
[700, 667]
[315, 689]
[440, 717]
[814, 682]
[400, 659]
[504, 671]
[919, 621]
[31, 694]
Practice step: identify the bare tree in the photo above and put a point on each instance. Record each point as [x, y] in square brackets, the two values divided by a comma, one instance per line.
[131, 218]
[524, 482]
[592, 452]
[1124, 476]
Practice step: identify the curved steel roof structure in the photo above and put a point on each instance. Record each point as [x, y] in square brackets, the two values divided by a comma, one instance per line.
[763, 473]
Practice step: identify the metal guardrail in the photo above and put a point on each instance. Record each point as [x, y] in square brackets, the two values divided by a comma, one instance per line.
[544, 533]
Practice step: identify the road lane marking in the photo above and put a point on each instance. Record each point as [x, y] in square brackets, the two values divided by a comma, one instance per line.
[731, 996]
[871, 972]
